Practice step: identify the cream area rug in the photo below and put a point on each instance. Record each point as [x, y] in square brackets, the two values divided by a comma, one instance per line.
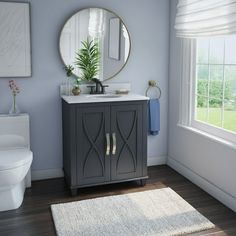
[155, 212]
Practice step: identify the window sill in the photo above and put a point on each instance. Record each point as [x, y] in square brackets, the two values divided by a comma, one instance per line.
[209, 136]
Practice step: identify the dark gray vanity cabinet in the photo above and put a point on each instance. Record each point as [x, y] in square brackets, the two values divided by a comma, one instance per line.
[104, 143]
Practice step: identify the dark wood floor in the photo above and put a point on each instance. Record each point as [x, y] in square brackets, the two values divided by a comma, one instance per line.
[34, 216]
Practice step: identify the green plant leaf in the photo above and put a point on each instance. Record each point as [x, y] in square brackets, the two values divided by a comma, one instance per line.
[88, 59]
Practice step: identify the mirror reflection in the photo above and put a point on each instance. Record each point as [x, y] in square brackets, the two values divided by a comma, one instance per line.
[106, 31]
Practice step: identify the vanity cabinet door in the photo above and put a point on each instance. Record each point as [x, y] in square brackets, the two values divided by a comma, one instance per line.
[127, 142]
[92, 130]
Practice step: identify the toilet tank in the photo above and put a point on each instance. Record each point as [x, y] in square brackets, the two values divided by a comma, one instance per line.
[14, 131]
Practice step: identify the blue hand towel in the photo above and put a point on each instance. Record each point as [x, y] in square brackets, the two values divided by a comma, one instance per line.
[154, 116]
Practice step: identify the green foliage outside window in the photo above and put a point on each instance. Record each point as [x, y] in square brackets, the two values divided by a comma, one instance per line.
[215, 92]
[215, 87]
[216, 82]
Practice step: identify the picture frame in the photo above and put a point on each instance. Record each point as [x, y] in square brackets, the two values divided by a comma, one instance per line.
[15, 46]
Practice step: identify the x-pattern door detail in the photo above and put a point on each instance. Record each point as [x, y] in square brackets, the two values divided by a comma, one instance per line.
[126, 124]
[92, 125]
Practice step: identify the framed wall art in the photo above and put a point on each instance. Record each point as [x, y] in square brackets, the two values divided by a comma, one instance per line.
[15, 45]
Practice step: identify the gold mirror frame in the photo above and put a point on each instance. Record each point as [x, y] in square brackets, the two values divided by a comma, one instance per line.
[130, 44]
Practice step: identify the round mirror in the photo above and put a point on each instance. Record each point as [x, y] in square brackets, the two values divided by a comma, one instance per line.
[96, 42]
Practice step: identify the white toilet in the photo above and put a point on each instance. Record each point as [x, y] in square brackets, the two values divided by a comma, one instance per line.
[15, 160]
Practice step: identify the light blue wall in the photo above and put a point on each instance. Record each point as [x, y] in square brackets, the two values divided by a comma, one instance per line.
[148, 23]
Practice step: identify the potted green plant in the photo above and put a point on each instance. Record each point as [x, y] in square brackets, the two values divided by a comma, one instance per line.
[88, 59]
[76, 89]
[69, 72]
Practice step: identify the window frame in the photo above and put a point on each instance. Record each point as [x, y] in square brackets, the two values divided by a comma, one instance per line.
[193, 122]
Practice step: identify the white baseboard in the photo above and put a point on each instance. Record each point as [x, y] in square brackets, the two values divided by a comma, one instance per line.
[46, 174]
[154, 161]
[218, 193]
[57, 173]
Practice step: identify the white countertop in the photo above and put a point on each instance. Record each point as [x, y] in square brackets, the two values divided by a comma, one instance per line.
[87, 98]
[14, 115]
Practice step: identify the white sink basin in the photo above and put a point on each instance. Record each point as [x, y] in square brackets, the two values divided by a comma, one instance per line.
[104, 96]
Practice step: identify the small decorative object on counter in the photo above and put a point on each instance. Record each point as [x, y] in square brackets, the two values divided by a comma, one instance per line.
[15, 90]
[69, 72]
[122, 91]
[76, 89]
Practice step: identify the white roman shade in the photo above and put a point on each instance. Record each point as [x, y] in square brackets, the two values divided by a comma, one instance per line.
[199, 18]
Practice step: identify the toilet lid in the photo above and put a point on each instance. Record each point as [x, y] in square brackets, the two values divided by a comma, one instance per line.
[13, 158]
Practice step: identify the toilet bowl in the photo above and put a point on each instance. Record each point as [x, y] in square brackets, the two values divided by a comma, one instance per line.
[14, 165]
[15, 160]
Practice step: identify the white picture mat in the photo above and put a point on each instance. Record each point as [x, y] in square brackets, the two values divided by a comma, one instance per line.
[15, 52]
[114, 38]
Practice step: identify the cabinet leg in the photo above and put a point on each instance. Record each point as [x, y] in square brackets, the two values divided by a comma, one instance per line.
[73, 192]
[143, 182]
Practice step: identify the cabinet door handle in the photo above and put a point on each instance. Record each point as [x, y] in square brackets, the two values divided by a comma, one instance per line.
[108, 144]
[113, 143]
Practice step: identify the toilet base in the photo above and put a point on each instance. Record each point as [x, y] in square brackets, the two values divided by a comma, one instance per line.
[12, 197]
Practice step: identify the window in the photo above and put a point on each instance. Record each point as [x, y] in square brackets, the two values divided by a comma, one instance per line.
[214, 90]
